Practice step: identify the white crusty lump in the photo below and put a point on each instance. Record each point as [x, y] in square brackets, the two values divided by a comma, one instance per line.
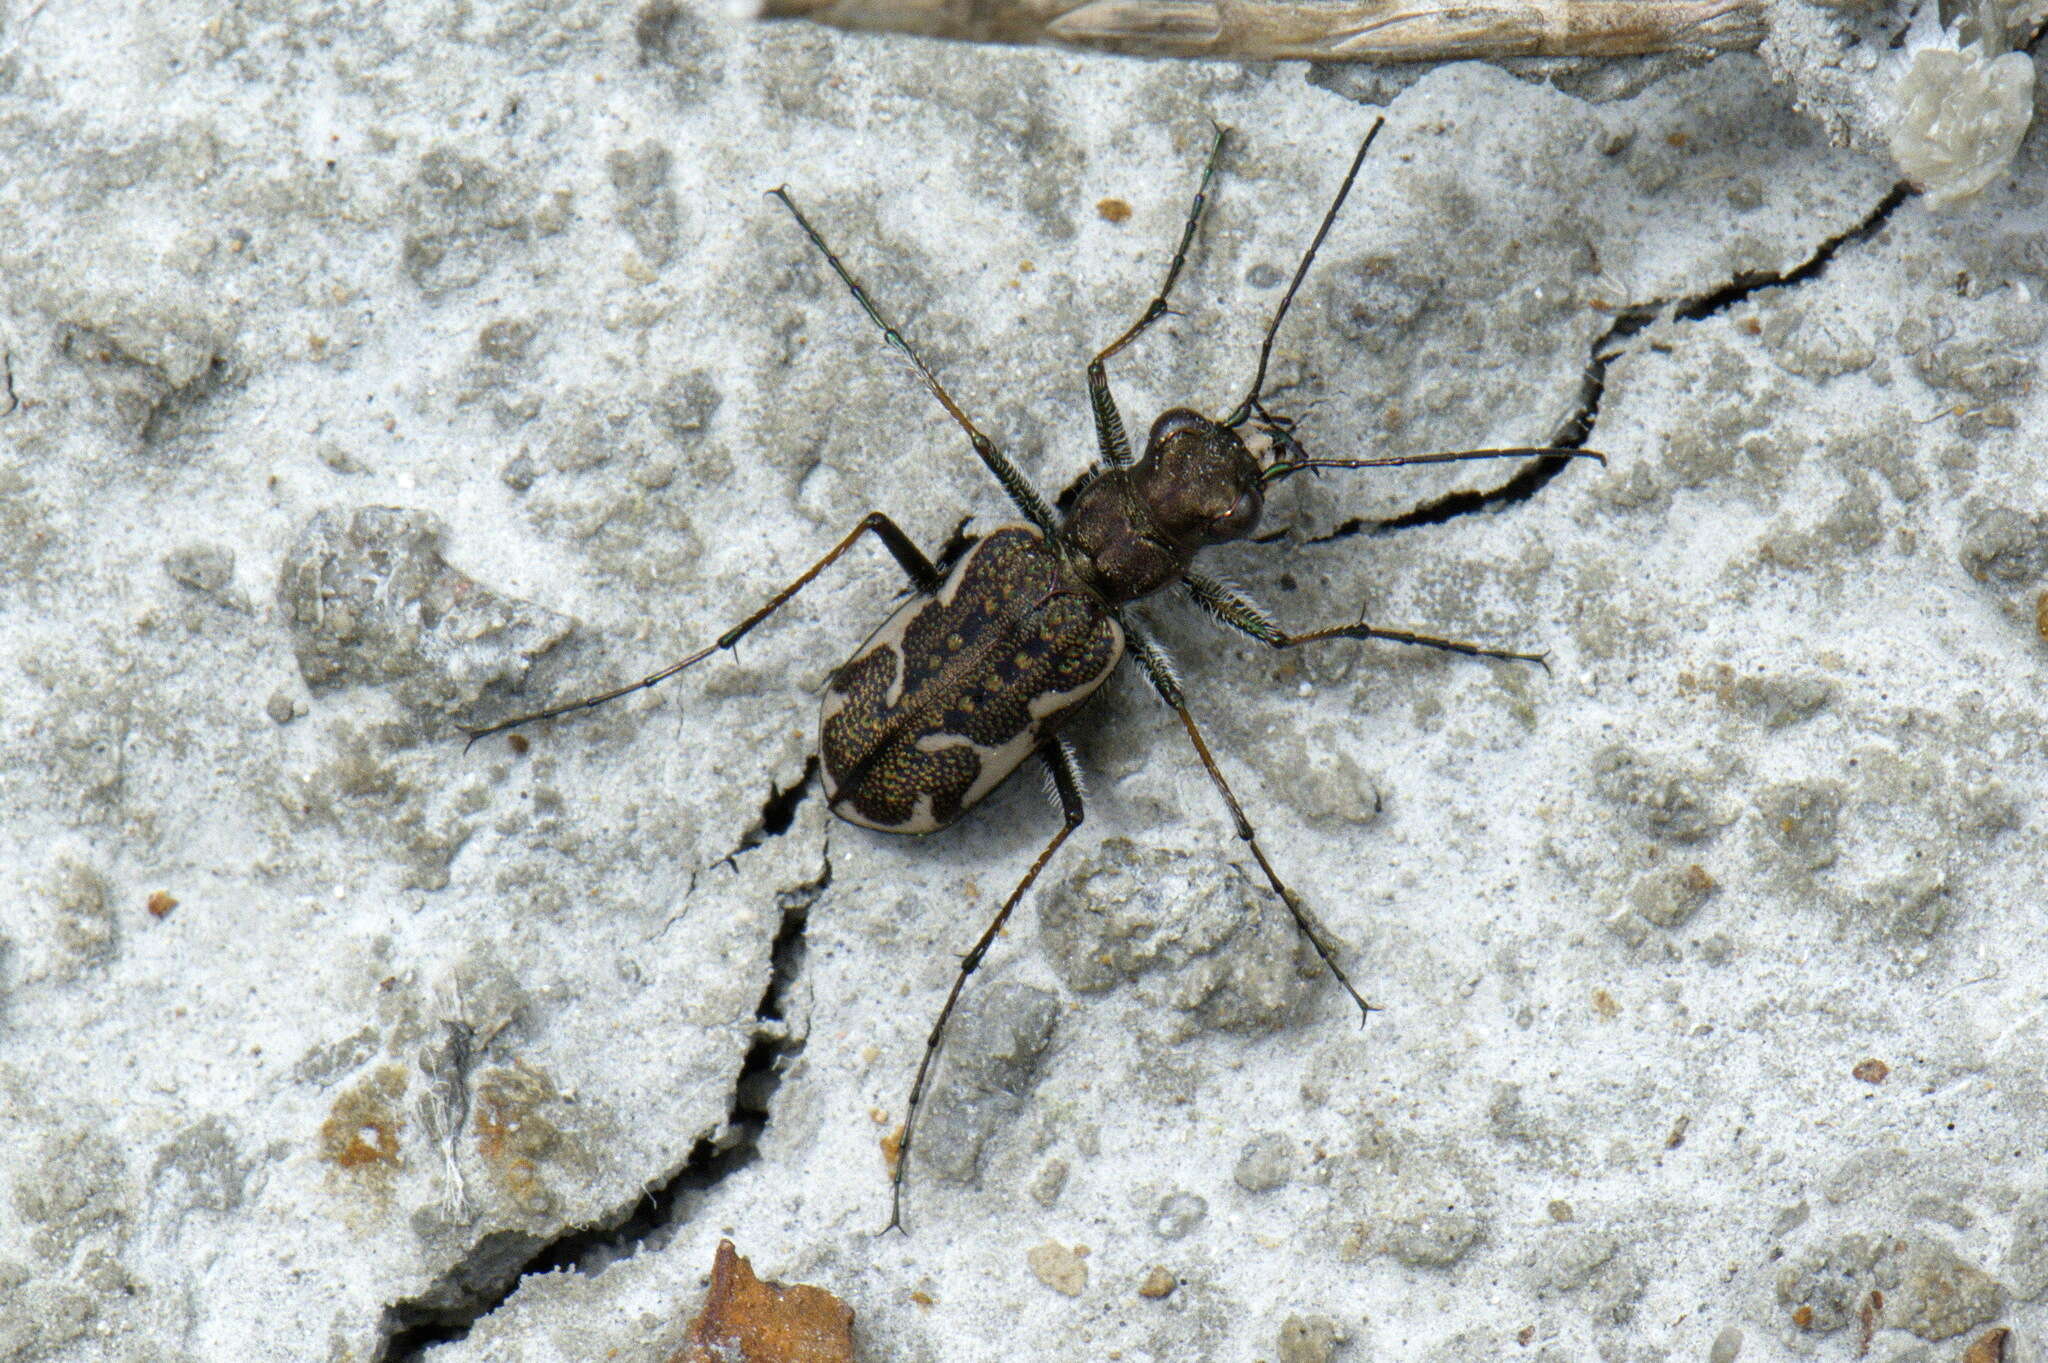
[1962, 107]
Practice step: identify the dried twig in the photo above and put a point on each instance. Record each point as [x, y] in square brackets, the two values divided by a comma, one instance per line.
[1317, 30]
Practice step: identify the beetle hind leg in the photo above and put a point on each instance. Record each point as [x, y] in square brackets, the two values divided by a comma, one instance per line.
[1066, 782]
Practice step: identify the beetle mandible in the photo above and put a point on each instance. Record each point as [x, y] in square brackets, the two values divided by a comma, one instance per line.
[977, 671]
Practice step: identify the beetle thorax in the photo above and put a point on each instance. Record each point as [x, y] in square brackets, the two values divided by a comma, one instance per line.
[1140, 526]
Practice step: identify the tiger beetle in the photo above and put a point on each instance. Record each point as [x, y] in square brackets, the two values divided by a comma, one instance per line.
[988, 657]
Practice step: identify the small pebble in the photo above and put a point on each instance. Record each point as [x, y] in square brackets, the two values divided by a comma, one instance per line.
[1158, 1283]
[1308, 1339]
[1178, 1214]
[1266, 1162]
[202, 567]
[1051, 1180]
[1988, 1347]
[1058, 1267]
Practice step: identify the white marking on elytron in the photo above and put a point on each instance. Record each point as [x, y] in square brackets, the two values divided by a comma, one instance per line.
[999, 761]
[890, 636]
[825, 771]
[892, 631]
[919, 820]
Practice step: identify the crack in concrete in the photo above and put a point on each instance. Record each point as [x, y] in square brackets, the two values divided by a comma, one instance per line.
[778, 812]
[1574, 431]
[1756, 281]
[650, 1220]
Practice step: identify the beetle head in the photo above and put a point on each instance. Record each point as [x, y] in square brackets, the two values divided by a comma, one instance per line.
[1199, 481]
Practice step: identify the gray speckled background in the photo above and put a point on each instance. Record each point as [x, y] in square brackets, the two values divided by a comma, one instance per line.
[364, 361]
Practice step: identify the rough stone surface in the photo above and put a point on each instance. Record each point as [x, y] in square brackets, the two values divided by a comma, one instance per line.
[2026, 1258]
[371, 601]
[349, 354]
[996, 1044]
[1211, 947]
[1934, 1294]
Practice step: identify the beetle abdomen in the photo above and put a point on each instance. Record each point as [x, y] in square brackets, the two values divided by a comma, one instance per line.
[955, 690]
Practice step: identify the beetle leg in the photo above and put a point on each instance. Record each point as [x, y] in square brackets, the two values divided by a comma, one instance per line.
[1251, 400]
[1282, 468]
[1232, 609]
[1109, 423]
[1021, 492]
[915, 566]
[1059, 763]
[1160, 672]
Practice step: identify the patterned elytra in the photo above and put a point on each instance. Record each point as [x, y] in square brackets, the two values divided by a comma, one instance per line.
[956, 689]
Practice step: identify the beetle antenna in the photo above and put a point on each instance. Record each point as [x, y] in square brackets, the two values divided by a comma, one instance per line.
[1251, 400]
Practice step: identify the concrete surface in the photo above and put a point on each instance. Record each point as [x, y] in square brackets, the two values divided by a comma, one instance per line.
[370, 369]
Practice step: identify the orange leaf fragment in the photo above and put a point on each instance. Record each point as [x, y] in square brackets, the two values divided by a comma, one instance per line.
[745, 1320]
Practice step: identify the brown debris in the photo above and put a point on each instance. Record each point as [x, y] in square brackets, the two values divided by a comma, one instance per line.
[1113, 210]
[1063, 1270]
[513, 1133]
[363, 1125]
[160, 904]
[1867, 1316]
[1156, 1284]
[1871, 1071]
[1988, 1347]
[745, 1320]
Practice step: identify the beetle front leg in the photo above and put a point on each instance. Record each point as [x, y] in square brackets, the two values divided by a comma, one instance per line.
[1109, 423]
[1014, 484]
